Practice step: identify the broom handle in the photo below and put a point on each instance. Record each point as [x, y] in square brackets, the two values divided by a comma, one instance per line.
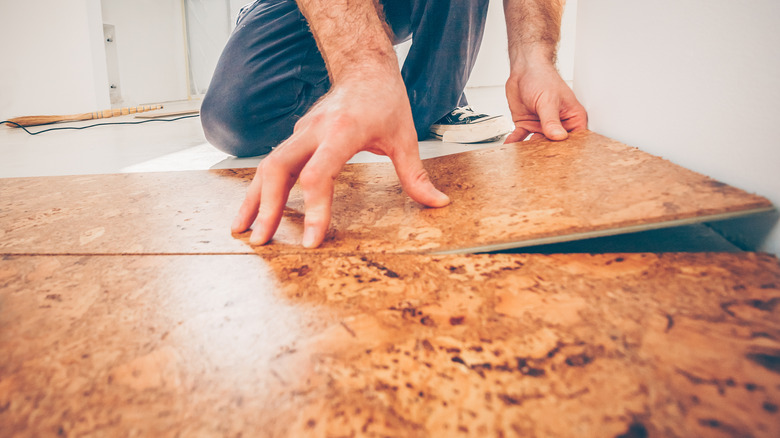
[42, 120]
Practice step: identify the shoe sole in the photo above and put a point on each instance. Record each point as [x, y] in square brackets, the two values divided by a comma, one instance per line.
[481, 132]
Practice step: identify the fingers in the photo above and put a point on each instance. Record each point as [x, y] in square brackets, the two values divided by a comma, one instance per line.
[279, 172]
[317, 181]
[248, 210]
[577, 120]
[277, 182]
[569, 123]
[414, 179]
[519, 134]
[318, 198]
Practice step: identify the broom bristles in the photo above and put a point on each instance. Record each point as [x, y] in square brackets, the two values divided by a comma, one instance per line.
[45, 120]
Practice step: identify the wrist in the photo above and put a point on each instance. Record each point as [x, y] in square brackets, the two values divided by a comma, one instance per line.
[528, 58]
[532, 66]
[365, 66]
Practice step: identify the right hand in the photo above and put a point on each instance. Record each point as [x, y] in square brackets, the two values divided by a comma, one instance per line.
[541, 102]
[368, 113]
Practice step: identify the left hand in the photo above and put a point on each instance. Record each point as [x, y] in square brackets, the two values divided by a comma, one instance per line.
[541, 102]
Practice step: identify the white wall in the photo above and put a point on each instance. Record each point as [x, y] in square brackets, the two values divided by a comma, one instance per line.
[53, 58]
[694, 81]
[209, 24]
[150, 48]
[566, 48]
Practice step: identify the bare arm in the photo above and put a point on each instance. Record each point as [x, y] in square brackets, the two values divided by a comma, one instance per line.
[534, 29]
[353, 39]
[539, 99]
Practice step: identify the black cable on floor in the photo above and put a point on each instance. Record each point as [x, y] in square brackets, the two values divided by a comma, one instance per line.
[97, 124]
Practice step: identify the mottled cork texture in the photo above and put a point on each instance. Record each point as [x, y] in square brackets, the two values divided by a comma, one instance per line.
[674, 345]
[508, 196]
[128, 309]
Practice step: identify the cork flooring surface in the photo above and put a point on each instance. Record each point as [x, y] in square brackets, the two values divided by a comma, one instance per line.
[502, 345]
[509, 196]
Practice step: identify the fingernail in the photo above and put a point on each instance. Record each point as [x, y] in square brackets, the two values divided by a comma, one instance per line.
[254, 239]
[308, 237]
[558, 131]
[441, 198]
[236, 224]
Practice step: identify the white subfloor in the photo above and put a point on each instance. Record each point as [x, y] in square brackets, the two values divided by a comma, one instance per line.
[164, 146]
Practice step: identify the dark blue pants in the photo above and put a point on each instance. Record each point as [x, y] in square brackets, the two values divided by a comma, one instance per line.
[271, 72]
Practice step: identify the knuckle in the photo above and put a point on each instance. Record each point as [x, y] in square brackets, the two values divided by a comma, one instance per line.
[341, 121]
[299, 125]
[344, 118]
[312, 178]
[274, 168]
[269, 163]
[420, 176]
[316, 217]
[247, 206]
[267, 213]
[312, 119]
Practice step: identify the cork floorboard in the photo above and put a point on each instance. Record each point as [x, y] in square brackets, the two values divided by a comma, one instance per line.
[127, 308]
[390, 345]
[510, 196]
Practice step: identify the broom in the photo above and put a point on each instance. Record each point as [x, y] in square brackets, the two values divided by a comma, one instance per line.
[45, 120]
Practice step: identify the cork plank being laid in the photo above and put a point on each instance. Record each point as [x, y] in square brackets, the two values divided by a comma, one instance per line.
[390, 345]
[517, 195]
[509, 196]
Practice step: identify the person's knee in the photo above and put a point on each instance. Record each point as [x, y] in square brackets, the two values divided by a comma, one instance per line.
[231, 130]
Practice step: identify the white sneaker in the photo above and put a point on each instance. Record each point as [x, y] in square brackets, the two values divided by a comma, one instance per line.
[463, 125]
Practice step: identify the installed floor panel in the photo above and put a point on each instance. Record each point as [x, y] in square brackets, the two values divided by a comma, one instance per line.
[297, 345]
[510, 196]
[171, 212]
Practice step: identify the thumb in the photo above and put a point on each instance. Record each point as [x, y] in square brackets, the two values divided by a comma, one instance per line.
[549, 116]
[415, 181]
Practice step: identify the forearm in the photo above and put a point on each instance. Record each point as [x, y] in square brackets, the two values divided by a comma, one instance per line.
[539, 99]
[534, 28]
[352, 37]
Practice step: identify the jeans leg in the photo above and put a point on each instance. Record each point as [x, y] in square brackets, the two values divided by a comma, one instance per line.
[269, 74]
[446, 36]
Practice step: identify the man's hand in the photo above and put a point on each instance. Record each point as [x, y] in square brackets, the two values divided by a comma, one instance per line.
[540, 101]
[366, 109]
[347, 120]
